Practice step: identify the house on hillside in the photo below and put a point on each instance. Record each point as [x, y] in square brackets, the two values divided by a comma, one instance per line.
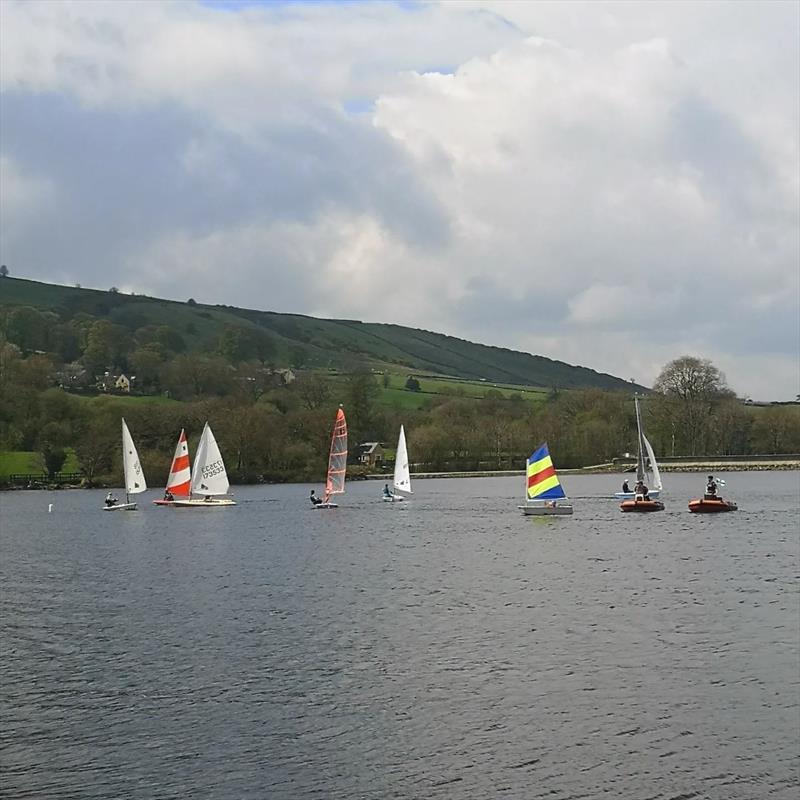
[287, 376]
[122, 383]
[370, 454]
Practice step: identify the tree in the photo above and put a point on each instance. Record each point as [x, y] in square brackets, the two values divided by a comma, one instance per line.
[146, 363]
[776, 430]
[53, 458]
[412, 384]
[314, 390]
[3, 271]
[688, 389]
[361, 393]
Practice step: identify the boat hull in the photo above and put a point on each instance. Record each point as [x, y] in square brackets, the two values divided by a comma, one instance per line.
[121, 507]
[653, 494]
[326, 505]
[213, 503]
[546, 510]
[705, 506]
[641, 506]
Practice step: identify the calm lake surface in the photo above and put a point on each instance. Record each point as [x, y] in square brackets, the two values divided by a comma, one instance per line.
[444, 648]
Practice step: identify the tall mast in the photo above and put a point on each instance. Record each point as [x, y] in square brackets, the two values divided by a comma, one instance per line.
[639, 443]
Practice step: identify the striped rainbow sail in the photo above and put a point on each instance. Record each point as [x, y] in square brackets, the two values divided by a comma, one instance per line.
[542, 481]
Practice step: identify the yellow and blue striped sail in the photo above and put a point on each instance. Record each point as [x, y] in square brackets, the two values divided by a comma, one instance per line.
[542, 479]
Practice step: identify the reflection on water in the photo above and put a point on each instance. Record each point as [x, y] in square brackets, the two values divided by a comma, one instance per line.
[443, 648]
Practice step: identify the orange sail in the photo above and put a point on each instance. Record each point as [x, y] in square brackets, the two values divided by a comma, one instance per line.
[180, 473]
[337, 462]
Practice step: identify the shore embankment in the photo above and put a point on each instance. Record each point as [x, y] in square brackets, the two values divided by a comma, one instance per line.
[709, 464]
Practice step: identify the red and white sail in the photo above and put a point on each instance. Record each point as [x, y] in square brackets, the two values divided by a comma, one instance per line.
[180, 473]
[337, 461]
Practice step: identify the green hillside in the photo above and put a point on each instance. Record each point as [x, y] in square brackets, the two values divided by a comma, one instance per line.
[300, 341]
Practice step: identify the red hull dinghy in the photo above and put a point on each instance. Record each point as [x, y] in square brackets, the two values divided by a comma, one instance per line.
[640, 504]
[711, 505]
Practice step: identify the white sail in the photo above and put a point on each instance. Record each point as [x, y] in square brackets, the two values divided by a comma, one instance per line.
[134, 476]
[653, 464]
[209, 476]
[402, 475]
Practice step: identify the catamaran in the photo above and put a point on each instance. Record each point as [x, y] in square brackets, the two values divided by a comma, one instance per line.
[402, 474]
[209, 478]
[544, 495]
[132, 470]
[651, 466]
[180, 474]
[337, 462]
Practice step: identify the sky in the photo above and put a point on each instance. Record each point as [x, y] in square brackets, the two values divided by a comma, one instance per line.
[610, 184]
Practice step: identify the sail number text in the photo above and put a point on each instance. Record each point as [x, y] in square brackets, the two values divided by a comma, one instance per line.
[215, 468]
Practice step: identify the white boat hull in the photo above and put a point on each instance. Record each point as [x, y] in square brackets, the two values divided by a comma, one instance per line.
[653, 493]
[214, 502]
[326, 505]
[392, 498]
[121, 507]
[546, 510]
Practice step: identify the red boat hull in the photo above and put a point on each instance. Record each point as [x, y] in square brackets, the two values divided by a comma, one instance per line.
[704, 506]
[641, 505]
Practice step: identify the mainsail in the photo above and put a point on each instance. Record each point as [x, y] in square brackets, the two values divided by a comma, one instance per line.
[210, 477]
[180, 474]
[653, 464]
[543, 483]
[337, 461]
[402, 475]
[134, 477]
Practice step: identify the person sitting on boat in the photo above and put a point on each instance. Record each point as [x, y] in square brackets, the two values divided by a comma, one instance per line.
[168, 496]
[110, 499]
[387, 492]
[711, 489]
[640, 490]
[625, 487]
[314, 499]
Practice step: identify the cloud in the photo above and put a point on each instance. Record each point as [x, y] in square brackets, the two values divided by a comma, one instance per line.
[610, 184]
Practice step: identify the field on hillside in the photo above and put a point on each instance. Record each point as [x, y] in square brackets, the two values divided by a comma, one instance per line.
[22, 462]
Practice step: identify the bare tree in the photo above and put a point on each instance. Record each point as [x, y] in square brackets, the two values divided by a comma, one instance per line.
[689, 388]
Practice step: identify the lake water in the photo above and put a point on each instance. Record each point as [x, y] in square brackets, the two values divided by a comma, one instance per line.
[444, 648]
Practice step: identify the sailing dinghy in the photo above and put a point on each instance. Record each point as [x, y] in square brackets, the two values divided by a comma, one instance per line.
[642, 501]
[643, 447]
[544, 495]
[132, 470]
[337, 462]
[180, 474]
[209, 479]
[402, 474]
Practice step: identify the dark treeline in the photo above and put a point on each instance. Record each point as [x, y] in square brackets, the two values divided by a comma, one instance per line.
[271, 432]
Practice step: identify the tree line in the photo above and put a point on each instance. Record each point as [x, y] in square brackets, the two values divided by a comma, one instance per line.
[271, 432]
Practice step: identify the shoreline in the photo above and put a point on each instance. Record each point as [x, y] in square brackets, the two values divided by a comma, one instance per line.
[711, 466]
[616, 469]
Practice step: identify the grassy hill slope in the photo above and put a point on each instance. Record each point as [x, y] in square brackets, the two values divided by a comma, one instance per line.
[307, 341]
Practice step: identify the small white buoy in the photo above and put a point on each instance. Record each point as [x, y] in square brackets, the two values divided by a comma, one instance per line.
[49, 508]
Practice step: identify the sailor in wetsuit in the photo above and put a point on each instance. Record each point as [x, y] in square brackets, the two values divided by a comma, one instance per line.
[314, 499]
[111, 500]
[625, 487]
[711, 489]
[386, 491]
